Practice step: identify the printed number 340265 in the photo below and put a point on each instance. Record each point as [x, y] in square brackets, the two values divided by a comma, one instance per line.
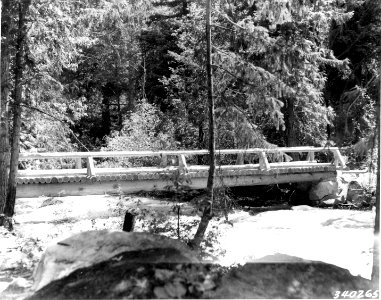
[356, 294]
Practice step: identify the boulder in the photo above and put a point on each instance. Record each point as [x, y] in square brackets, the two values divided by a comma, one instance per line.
[355, 193]
[51, 201]
[129, 276]
[329, 192]
[322, 189]
[298, 280]
[303, 208]
[332, 200]
[18, 285]
[91, 247]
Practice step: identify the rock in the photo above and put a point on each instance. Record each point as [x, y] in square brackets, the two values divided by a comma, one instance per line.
[91, 247]
[332, 200]
[123, 277]
[322, 189]
[354, 191]
[18, 285]
[281, 258]
[51, 201]
[129, 276]
[303, 207]
[358, 196]
[287, 280]
[373, 200]
[362, 200]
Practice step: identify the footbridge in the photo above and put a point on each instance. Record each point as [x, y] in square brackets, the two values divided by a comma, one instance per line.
[87, 173]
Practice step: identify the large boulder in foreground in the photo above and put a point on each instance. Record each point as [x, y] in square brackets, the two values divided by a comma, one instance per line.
[128, 276]
[288, 280]
[124, 277]
[91, 247]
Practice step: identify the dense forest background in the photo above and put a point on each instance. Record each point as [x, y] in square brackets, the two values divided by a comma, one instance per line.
[130, 75]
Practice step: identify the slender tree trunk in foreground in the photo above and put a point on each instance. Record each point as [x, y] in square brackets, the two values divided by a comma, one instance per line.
[208, 212]
[17, 108]
[376, 246]
[5, 86]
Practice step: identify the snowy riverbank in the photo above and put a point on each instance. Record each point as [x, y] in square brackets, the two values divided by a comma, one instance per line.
[340, 237]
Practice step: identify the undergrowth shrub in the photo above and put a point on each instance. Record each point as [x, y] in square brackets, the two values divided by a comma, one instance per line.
[145, 129]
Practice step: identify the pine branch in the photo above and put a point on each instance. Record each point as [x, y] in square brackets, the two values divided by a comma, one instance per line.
[222, 27]
[358, 96]
[228, 19]
[58, 120]
[235, 76]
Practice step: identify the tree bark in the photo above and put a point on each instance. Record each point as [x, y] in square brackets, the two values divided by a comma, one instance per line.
[292, 141]
[120, 115]
[207, 214]
[291, 134]
[5, 87]
[200, 141]
[17, 108]
[376, 245]
[106, 116]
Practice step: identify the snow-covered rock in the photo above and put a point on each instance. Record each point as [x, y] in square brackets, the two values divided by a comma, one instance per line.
[90, 247]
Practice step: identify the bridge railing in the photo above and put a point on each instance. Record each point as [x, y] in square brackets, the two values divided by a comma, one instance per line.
[264, 164]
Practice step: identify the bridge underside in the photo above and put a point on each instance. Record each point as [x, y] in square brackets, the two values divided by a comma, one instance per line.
[41, 183]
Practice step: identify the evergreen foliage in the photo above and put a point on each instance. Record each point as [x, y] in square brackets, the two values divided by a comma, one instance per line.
[119, 75]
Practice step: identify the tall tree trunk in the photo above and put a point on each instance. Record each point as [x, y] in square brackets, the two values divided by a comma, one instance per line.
[120, 115]
[200, 141]
[17, 108]
[208, 212]
[376, 246]
[5, 87]
[292, 141]
[106, 116]
[291, 134]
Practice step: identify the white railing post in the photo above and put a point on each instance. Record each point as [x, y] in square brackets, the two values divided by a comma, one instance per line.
[263, 162]
[78, 163]
[182, 163]
[239, 160]
[311, 156]
[164, 161]
[90, 166]
[339, 160]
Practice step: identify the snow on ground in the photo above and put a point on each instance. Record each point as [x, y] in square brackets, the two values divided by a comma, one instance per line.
[340, 237]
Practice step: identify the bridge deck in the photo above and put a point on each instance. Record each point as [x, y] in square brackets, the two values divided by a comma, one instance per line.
[93, 180]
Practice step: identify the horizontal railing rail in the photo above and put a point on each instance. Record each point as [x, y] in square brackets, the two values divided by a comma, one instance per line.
[182, 155]
[110, 154]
